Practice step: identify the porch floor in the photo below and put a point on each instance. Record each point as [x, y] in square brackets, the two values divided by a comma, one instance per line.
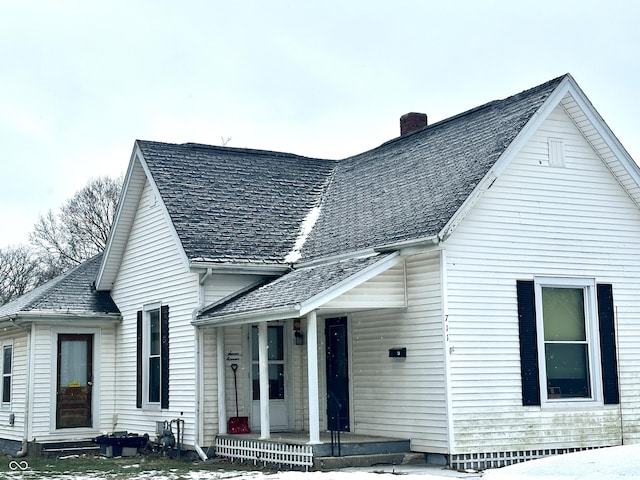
[350, 443]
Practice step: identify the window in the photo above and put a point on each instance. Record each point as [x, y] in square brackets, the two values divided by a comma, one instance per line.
[7, 369]
[153, 357]
[275, 348]
[567, 341]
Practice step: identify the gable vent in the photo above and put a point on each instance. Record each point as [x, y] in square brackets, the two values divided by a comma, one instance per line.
[412, 122]
[556, 152]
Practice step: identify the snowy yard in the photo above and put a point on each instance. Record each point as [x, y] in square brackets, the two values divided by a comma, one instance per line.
[603, 464]
[138, 469]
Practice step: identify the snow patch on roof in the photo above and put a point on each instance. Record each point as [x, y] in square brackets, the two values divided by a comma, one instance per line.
[305, 229]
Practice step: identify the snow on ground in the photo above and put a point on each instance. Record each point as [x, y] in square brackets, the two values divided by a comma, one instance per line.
[602, 464]
[612, 463]
[423, 472]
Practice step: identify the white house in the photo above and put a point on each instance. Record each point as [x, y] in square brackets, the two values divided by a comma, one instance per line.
[467, 289]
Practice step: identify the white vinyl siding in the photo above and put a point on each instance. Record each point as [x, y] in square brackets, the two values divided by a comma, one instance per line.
[574, 221]
[44, 375]
[386, 290]
[215, 288]
[153, 270]
[403, 397]
[18, 387]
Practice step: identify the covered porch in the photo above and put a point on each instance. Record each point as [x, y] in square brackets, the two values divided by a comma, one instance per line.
[292, 374]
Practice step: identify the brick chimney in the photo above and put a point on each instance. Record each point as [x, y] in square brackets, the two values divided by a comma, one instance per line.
[412, 122]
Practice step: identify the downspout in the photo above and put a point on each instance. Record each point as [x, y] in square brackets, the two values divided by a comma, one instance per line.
[198, 369]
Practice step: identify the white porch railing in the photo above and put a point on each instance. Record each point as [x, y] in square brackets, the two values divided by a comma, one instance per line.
[265, 451]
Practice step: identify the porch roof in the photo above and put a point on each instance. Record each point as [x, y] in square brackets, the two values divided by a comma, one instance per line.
[298, 292]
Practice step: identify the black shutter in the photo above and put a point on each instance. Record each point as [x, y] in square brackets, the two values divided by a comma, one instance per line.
[609, 361]
[139, 360]
[528, 343]
[164, 356]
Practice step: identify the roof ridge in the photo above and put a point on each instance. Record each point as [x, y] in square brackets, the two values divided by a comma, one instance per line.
[233, 150]
[478, 108]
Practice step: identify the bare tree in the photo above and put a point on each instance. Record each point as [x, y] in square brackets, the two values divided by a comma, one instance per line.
[81, 228]
[20, 271]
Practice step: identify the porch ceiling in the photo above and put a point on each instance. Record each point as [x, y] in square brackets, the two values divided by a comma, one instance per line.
[330, 287]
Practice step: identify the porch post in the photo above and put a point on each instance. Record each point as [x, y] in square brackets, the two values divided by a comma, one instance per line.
[312, 374]
[263, 368]
[222, 371]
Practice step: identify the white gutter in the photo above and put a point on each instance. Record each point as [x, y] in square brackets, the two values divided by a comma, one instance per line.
[267, 315]
[45, 316]
[429, 241]
[369, 252]
[250, 268]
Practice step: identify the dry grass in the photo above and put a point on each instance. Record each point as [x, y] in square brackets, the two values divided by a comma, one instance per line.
[151, 467]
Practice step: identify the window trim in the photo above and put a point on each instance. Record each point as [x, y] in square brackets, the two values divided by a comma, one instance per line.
[146, 354]
[143, 354]
[5, 345]
[588, 285]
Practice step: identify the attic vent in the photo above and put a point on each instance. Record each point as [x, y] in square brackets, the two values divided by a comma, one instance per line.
[556, 153]
[412, 122]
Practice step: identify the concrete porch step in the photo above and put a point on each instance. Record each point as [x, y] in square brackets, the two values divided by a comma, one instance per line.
[401, 458]
[59, 449]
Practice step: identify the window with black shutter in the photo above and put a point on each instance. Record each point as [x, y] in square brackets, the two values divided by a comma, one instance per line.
[567, 341]
[152, 357]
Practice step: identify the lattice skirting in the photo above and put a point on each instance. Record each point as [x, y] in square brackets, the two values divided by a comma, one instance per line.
[482, 461]
[265, 452]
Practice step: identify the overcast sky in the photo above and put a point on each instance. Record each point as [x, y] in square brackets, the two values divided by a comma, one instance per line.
[81, 80]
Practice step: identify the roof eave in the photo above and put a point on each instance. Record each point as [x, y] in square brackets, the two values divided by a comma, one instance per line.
[47, 316]
[238, 268]
[262, 315]
[111, 253]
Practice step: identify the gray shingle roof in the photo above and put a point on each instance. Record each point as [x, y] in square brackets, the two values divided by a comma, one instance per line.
[238, 205]
[293, 288]
[70, 292]
[410, 187]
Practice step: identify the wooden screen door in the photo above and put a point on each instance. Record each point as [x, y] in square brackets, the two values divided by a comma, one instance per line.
[337, 374]
[74, 381]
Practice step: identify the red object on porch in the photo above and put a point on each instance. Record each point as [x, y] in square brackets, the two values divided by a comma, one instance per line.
[237, 425]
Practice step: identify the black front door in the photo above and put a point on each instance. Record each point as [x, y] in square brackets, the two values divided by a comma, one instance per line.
[337, 374]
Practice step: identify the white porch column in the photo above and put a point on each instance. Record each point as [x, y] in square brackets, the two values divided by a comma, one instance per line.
[263, 368]
[312, 374]
[222, 388]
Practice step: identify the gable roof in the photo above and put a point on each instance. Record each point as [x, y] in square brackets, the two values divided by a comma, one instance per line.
[71, 293]
[235, 205]
[251, 207]
[410, 187]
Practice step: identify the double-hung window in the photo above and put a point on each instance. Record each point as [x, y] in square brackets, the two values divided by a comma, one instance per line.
[7, 371]
[153, 357]
[567, 342]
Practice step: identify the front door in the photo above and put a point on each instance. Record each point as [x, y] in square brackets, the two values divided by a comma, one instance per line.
[74, 381]
[277, 346]
[337, 374]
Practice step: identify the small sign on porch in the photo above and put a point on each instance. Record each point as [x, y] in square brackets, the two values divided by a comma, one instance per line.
[233, 356]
